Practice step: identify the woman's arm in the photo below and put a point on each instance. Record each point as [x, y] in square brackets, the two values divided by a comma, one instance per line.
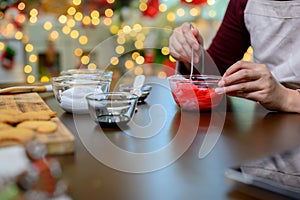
[232, 39]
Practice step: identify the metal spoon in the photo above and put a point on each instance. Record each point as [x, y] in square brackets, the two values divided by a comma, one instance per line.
[137, 85]
[192, 58]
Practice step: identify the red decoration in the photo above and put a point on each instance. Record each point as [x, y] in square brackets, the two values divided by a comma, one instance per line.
[194, 2]
[152, 9]
[7, 58]
[14, 16]
[169, 67]
[47, 180]
[149, 56]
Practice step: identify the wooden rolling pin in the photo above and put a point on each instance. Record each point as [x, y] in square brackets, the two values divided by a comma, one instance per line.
[22, 89]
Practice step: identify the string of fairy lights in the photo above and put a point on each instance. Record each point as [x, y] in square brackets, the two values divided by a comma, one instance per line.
[74, 17]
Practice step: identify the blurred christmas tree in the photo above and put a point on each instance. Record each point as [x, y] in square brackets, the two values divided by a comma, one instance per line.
[140, 29]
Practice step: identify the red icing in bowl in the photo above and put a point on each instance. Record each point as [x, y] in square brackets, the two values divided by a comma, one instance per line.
[198, 96]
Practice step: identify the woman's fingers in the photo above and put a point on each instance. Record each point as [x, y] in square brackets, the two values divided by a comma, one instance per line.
[243, 72]
[182, 41]
[254, 96]
[236, 67]
[189, 35]
[245, 87]
[242, 65]
[178, 52]
[244, 75]
[245, 79]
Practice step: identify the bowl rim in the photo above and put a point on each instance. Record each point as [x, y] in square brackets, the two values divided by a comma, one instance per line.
[85, 71]
[145, 88]
[199, 79]
[199, 76]
[93, 80]
[129, 96]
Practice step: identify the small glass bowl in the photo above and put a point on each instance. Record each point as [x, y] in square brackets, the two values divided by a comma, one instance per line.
[195, 93]
[145, 91]
[76, 72]
[70, 91]
[112, 109]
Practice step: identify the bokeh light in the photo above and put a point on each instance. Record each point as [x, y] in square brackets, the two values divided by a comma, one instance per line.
[78, 52]
[30, 79]
[83, 40]
[27, 69]
[85, 60]
[140, 60]
[33, 58]
[71, 11]
[114, 60]
[129, 64]
[29, 48]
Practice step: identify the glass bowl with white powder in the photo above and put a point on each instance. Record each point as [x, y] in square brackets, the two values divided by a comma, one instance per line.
[107, 74]
[70, 91]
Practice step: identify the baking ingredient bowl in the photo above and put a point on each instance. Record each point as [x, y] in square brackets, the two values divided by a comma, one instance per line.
[78, 72]
[112, 109]
[70, 91]
[195, 93]
[145, 91]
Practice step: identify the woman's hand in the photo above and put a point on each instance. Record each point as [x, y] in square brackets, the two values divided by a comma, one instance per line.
[255, 82]
[182, 40]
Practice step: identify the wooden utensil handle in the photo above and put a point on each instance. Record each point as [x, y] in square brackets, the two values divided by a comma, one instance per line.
[22, 89]
[39, 89]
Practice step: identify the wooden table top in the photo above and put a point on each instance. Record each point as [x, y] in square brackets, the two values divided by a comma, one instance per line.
[248, 132]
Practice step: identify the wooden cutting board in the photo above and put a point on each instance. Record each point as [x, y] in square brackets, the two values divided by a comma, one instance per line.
[59, 142]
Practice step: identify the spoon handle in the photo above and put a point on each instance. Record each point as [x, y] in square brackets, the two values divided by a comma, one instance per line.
[192, 58]
[22, 89]
[138, 84]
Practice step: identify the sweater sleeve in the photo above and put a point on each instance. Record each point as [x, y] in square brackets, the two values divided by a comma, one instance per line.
[232, 38]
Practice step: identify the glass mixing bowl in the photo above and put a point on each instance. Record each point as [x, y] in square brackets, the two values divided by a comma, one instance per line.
[112, 109]
[70, 91]
[195, 93]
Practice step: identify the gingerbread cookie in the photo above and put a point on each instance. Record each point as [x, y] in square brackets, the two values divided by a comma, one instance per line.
[51, 113]
[9, 119]
[44, 127]
[10, 111]
[16, 135]
[4, 126]
[35, 115]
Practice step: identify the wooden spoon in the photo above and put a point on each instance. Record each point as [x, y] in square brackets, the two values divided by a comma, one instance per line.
[22, 89]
